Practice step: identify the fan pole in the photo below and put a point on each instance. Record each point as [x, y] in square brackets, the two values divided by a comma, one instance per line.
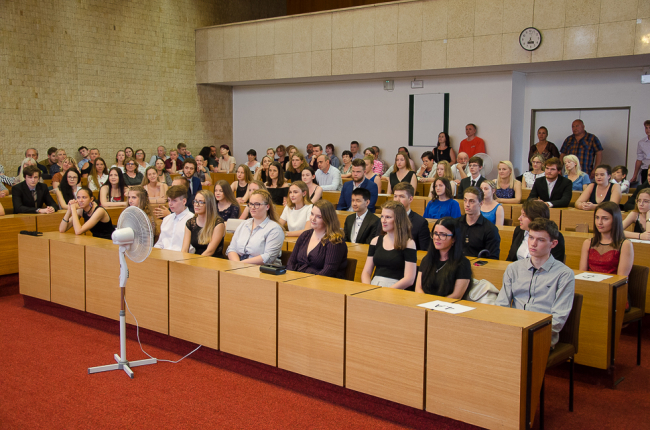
[122, 362]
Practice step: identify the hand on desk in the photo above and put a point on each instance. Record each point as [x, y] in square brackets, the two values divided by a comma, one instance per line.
[47, 210]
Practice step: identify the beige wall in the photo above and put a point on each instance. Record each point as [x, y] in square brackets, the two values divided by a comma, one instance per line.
[111, 74]
[420, 35]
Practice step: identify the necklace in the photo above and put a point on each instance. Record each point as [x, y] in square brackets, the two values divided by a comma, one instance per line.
[439, 269]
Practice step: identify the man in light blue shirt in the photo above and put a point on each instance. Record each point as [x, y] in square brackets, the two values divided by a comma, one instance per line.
[328, 177]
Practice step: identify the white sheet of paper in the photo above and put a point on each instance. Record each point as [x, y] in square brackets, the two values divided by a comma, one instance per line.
[450, 308]
[594, 277]
[639, 241]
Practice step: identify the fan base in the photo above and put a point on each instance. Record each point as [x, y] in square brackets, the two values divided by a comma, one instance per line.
[122, 365]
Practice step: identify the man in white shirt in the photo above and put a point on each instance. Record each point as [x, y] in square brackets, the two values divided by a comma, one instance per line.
[172, 230]
[354, 149]
[161, 153]
[460, 170]
[328, 177]
[642, 155]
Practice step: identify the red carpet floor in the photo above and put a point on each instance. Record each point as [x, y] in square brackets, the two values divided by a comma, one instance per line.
[45, 352]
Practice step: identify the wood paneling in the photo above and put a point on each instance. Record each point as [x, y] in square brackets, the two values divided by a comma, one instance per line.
[295, 7]
[34, 265]
[10, 228]
[68, 274]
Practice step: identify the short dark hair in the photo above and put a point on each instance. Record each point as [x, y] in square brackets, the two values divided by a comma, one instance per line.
[348, 153]
[474, 190]
[82, 147]
[473, 125]
[553, 161]
[52, 150]
[607, 168]
[330, 146]
[318, 146]
[31, 170]
[181, 145]
[405, 186]
[535, 209]
[477, 160]
[428, 155]
[621, 168]
[190, 161]
[363, 192]
[354, 142]
[646, 122]
[252, 152]
[358, 162]
[177, 191]
[547, 225]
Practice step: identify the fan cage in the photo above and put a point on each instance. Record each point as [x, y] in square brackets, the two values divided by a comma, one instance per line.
[138, 221]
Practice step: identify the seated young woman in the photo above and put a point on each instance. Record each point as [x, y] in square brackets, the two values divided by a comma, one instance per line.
[639, 217]
[276, 184]
[393, 253]
[572, 171]
[161, 170]
[113, 193]
[206, 229]
[98, 175]
[608, 251]
[262, 172]
[602, 190]
[315, 190]
[156, 190]
[443, 170]
[259, 239]
[445, 271]
[96, 219]
[132, 176]
[120, 156]
[139, 198]
[443, 204]
[491, 209]
[370, 173]
[530, 211]
[70, 184]
[240, 186]
[66, 164]
[403, 172]
[508, 188]
[253, 186]
[295, 216]
[537, 161]
[321, 250]
[140, 162]
[295, 167]
[227, 204]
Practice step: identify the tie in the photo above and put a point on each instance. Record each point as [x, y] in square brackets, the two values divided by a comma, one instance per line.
[35, 196]
[473, 183]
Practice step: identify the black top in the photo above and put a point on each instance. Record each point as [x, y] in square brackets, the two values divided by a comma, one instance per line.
[391, 264]
[483, 234]
[212, 163]
[638, 227]
[370, 228]
[293, 177]
[466, 183]
[195, 230]
[102, 230]
[629, 204]
[325, 260]
[419, 231]
[87, 168]
[241, 191]
[263, 176]
[518, 236]
[278, 194]
[442, 154]
[394, 181]
[231, 212]
[129, 181]
[550, 151]
[608, 196]
[432, 285]
[23, 200]
[560, 196]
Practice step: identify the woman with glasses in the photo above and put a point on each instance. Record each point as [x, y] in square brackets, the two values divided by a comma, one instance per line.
[140, 158]
[259, 239]
[445, 271]
[253, 186]
[227, 205]
[132, 176]
[393, 254]
[70, 184]
[321, 250]
[206, 229]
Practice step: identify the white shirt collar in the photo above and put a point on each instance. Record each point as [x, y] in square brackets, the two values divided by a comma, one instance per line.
[182, 214]
[362, 217]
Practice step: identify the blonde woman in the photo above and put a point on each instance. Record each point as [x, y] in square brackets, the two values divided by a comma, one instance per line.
[370, 172]
[443, 170]
[157, 191]
[262, 172]
[490, 208]
[98, 175]
[537, 161]
[60, 156]
[253, 186]
[205, 230]
[639, 217]
[66, 164]
[29, 161]
[572, 171]
[240, 186]
[508, 188]
[139, 198]
[295, 216]
[403, 172]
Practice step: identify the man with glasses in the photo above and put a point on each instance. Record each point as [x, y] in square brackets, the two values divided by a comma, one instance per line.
[328, 177]
[172, 229]
[474, 179]
[477, 233]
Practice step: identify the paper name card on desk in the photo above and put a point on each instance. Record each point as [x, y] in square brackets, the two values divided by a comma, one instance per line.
[593, 277]
[450, 308]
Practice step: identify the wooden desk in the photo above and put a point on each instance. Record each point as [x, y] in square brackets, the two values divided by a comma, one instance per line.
[248, 313]
[385, 344]
[51, 222]
[502, 353]
[601, 320]
[33, 252]
[573, 217]
[228, 177]
[419, 204]
[10, 228]
[311, 326]
[194, 298]
[7, 204]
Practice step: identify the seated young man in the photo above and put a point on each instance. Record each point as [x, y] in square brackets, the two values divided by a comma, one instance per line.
[359, 180]
[162, 211]
[540, 283]
[477, 232]
[362, 226]
[474, 179]
[29, 196]
[403, 193]
[172, 229]
[530, 211]
[554, 189]
[194, 183]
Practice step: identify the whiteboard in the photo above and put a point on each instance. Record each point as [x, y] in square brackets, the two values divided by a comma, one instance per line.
[427, 116]
[610, 125]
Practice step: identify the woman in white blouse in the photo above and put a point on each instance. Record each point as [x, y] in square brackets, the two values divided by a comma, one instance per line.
[140, 156]
[119, 160]
[226, 161]
[98, 175]
[537, 161]
[295, 216]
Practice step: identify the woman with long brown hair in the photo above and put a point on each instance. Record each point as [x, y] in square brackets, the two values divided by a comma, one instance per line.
[276, 184]
[296, 165]
[206, 229]
[295, 216]
[403, 172]
[240, 186]
[156, 190]
[227, 204]
[98, 174]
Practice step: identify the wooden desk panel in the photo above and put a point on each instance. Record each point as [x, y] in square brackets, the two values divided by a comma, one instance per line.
[506, 233]
[360, 253]
[248, 313]
[34, 252]
[573, 217]
[68, 274]
[7, 203]
[10, 228]
[103, 283]
[311, 326]
[50, 222]
[419, 204]
[385, 344]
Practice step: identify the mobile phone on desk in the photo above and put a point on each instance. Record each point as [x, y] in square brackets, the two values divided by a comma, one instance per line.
[480, 263]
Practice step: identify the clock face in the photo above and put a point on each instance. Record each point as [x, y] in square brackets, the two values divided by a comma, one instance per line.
[530, 39]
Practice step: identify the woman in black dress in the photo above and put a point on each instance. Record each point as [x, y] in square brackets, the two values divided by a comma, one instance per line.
[445, 271]
[95, 217]
[402, 173]
[444, 151]
[205, 230]
[393, 253]
[240, 186]
[68, 187]
[227, 205]
[275, 184]
[544, 147]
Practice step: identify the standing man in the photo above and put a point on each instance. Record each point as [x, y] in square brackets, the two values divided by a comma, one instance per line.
[354, 149]
[642, 155]
[160, 154]
[328, 177]
[83, 151]
[475, 179]
[172, 229]
[553, 189]
[540, 283]
[33, 153]
[403, 193]
[477, 232]
[359, 180]
[334, 160]
[183, 153]
[317, 150]
[29, 196]
[583, 145]
[473, 144]
[362, 226]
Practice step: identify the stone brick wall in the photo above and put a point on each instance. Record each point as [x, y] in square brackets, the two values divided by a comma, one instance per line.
[111, 75]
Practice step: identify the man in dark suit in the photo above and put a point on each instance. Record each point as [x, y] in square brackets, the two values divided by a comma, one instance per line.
[561, 188]
[530, 211]
[403, 193]
[629, 205]
[358, 181]
[362, 226]
[29, 196]
[474, 179]
[194, 183]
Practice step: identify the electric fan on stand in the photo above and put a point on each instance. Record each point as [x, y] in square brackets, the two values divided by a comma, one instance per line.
[488, 164]
[135, 238]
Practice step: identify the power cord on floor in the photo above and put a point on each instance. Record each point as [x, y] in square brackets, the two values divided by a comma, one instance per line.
[137, 330]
